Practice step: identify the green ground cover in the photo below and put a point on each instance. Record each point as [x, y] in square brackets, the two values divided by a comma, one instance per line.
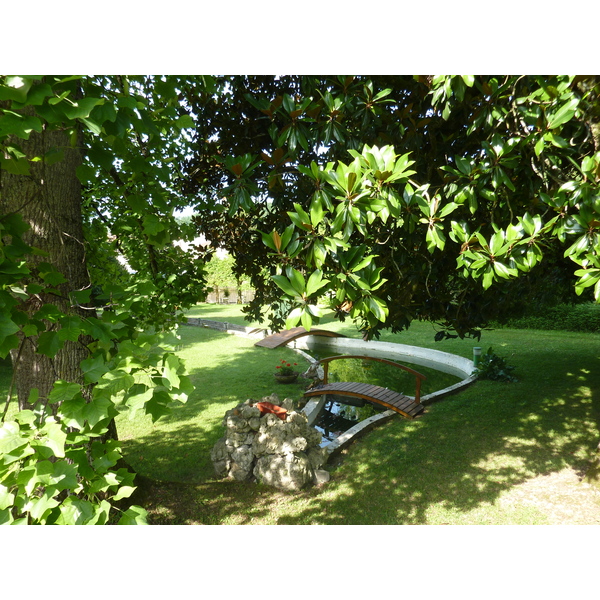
[496, 453]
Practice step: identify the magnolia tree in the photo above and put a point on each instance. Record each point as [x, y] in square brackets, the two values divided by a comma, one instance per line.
[453, 199]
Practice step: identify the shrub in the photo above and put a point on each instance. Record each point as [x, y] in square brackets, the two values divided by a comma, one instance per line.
[491, 366]
[561, 317]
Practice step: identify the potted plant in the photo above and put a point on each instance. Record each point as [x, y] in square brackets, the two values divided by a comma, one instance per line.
[285, 372]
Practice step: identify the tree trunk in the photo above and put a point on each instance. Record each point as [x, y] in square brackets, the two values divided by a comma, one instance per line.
[49, 200]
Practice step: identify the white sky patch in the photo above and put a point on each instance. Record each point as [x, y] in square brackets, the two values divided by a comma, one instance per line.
[124, 262]
[186, 212]
[200, 241]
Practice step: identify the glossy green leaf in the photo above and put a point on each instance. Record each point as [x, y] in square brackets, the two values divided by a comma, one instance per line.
[497, 244]
[469, 80]
[488, 278]
[269, 240]
[378, 308]
[293, 318]
[299, 221]
[286, 237]
[447, 209]
[563, 114]
[306, 319]
[503, 271]
[297, 281]
[315, 283]
[463, 165]
[284, 283]
[316, 211]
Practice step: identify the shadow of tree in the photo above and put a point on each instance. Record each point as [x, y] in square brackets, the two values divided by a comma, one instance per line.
[461, 455]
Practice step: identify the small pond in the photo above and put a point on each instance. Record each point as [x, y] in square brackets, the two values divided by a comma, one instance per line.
[377, 373]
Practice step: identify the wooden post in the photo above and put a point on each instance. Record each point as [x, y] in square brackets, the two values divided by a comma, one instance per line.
[418, 391]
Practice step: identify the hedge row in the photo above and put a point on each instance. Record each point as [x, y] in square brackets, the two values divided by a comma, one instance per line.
[563, 317]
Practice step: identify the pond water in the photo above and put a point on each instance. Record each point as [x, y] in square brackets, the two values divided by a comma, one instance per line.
[336, 417]
[341, 413]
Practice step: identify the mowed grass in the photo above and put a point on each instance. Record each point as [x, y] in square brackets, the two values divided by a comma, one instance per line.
[496, 453]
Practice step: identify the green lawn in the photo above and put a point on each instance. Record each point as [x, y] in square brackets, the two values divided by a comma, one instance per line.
[494, 454]
[231, 313]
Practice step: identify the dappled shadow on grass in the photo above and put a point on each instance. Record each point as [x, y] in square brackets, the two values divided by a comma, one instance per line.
[208, 503]
[459, 457]
[230, 313]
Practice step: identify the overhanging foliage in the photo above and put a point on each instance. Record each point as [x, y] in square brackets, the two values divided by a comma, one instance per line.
[387, 198]
[438, 188]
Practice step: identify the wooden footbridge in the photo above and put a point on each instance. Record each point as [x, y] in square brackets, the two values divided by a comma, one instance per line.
[287, 335]
[406, 406]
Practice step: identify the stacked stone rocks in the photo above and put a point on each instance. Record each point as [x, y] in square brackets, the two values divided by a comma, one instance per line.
[283, 453]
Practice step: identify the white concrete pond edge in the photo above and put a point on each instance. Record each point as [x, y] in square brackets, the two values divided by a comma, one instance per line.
[435, 359]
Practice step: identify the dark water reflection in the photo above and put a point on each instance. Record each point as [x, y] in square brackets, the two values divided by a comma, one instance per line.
[336, 417]
[377, 373]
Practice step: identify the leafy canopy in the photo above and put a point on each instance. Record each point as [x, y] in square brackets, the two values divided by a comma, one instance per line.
[56, 463]
[456, 199]
[452, 198]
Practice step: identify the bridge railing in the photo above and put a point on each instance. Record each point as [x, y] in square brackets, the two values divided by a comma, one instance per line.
[418, 376]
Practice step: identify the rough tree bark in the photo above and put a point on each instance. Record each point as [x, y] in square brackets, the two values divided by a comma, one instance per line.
[49, 200]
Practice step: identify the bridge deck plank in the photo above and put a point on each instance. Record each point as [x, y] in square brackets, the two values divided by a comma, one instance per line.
[373, 393]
